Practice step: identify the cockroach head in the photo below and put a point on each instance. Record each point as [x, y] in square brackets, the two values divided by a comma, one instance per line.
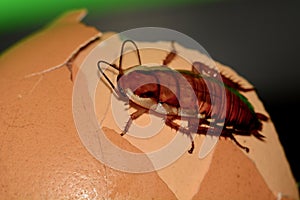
[140, 83]
[120, 88]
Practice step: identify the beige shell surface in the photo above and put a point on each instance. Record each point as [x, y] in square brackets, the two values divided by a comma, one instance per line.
[263, 155]
[42, 156]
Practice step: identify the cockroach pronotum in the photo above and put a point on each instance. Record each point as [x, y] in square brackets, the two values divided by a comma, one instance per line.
[238, 118]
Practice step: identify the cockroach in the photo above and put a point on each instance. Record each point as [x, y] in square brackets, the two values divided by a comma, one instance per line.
[238, 118]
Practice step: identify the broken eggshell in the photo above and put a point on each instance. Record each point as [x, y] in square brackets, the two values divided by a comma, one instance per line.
[42, 155]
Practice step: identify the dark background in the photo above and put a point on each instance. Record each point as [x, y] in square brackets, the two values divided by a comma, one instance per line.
[260, 40]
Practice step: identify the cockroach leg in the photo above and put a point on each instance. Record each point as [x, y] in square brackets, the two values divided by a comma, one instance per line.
[171, 55]
[229, 82]
[192, 147]
[237, 143]
[169, 122]
[133, 116]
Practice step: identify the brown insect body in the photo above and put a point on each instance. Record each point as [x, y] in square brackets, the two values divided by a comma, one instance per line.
[197, 95]
[167, 86]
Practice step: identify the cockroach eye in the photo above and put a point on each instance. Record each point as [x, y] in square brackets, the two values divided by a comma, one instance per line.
[122, 92]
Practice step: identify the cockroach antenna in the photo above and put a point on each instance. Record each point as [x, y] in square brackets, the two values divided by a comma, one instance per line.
[102, 72]
[122, 51]
[120, 63]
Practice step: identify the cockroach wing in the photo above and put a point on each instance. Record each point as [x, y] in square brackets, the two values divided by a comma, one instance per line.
[201, 68]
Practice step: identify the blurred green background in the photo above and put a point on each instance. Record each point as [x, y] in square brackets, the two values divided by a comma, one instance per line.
[258, 39]
[19, 18]
[18, 14]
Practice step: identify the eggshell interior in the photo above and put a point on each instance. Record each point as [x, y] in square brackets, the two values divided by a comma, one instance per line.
[43, 157]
